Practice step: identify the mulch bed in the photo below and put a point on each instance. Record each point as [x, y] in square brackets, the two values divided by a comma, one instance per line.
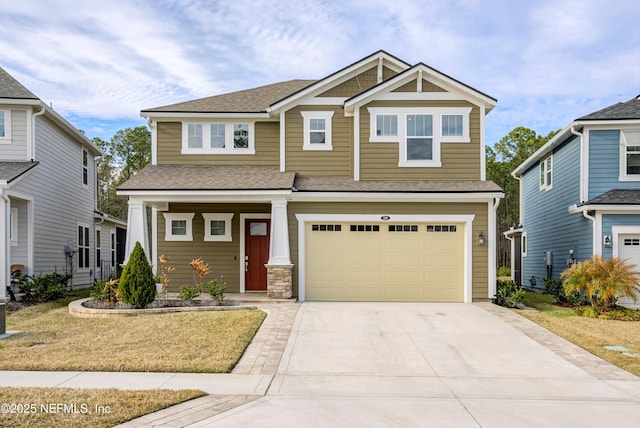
[168, 303]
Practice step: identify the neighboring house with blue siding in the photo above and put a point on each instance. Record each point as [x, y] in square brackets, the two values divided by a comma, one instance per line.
[580, 196]
[48, 217]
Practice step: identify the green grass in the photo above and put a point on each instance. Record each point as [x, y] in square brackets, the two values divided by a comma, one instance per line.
[51, 339]
[588, 333]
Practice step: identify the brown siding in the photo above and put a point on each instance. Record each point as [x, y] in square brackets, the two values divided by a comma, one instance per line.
[480, 210]
[223, 257]
[460, 161]
[336, 162]
[355, 85]
[412, 86]
[267, 144]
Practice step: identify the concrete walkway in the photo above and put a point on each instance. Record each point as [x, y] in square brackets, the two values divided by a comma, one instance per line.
[370, 364]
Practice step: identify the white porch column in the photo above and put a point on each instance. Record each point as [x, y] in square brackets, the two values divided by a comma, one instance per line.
[279, 267]
[279, 244]
[137, 228]
[5, 257]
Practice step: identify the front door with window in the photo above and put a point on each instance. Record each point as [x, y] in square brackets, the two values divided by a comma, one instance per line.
[256, 254]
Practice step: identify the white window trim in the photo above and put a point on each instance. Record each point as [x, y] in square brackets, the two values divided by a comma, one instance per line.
[228, 138]
[546, 186]
[524, 244]
[86, 245]
[112, 249]
[437, 137]
[14, 219]
[6, 139]
[226, 217]
[623, 176]
[307, 116]
[169, 217]
[84, 167]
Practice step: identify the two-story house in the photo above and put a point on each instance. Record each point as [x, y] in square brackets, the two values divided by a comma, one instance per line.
[580, 195]
[48, 221]
[368, 184]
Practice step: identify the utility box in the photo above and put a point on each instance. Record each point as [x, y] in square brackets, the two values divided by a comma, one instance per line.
[3, 318]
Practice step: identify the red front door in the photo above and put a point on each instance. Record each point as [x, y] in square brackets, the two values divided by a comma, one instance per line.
[256, 254]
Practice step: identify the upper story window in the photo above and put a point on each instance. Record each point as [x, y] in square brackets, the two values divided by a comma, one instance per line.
[317, 130]
[85, 167]
[630, 155]
[178, 226]
[5, 126]
[419, 131]
[218, 138]
[546, 173]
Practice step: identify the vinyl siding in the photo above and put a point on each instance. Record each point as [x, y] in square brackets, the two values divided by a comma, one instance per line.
[604, 163]
[460, 161]
[479, 254]
[336, 162]
[60, 201]
[609, 220]
[545, 216]
[413, 87]
[223, 257]
[267, 146]
[359, 83]
[17, 150]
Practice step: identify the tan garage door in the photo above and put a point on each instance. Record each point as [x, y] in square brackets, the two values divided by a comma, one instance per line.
[404, 262]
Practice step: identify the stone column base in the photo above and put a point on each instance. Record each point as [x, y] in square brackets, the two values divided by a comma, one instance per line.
[279, 281]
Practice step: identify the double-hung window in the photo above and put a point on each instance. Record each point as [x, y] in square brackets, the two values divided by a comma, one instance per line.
[317, 130]
[630, 155]
[113, 249]
[85, 167]
[546, 173]
[5, 126]
[178, 226]
[218, 138]
[419, 131]
[83, 247]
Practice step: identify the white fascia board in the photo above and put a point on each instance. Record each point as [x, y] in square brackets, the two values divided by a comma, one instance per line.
[211, 116]
[608, 124]
[20, 102]
[211, 196]
[542, 152]
[482, 197]
[338, 78]
[605, 209]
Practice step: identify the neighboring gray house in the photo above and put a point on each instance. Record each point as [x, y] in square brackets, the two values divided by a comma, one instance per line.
[48, 190]
[580, 195]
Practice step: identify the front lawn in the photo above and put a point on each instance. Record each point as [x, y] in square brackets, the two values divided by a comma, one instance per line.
[67, 407]
[51, 339]
[588, 333]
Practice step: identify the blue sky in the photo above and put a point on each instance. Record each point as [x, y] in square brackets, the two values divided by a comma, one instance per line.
[100, 62]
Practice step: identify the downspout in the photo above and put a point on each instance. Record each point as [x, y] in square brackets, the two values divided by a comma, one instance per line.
[33, 132]
[492, 247]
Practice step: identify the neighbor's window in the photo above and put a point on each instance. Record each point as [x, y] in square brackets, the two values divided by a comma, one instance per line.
[546, 173]
[85, 167]
[178, 226]
[630, 155]
[83, 247]
[113, 249]
[3, 131]
[98, 242]
[317, 130]
[13, 226]
[523, 244]
[218, 138]
[217, 226]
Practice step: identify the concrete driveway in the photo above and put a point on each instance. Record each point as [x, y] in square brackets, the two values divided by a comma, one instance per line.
[440, 365]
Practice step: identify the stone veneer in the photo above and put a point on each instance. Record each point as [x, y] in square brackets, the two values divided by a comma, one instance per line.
[279, 281]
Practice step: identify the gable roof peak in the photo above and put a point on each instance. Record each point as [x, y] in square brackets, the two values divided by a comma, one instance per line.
[11, 88]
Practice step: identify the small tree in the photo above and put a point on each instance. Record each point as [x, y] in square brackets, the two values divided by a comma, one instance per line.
[602, 280]
[137, 285]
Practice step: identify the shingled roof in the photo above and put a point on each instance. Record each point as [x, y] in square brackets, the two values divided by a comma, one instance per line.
[11, 88]
[348, 184]
[617, 197]
[619, 111]
[9, 171]
[254, 100]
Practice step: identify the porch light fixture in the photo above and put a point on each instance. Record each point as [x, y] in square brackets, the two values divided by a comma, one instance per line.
[607, 241]
[481, 239]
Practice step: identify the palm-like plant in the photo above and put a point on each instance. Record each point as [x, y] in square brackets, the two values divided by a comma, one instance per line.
[602, 279]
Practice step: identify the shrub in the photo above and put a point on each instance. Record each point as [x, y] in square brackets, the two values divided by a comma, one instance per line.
[555, 288]
[106, 291]
[189, 293]
[509, 294]
[602, 280]
[216, 290]
[137, 286]
[43, 288]
[504, 271]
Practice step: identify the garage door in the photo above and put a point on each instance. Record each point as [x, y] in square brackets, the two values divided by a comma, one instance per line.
[385, 262]
[629, 248]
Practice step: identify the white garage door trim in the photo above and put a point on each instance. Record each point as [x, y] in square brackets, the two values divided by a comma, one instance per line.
[616, 231]
[305, 218]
